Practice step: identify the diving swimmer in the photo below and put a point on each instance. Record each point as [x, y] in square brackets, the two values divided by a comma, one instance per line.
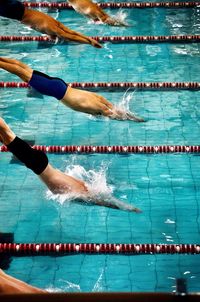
[55, 180]
[41, 22]
[79, 100]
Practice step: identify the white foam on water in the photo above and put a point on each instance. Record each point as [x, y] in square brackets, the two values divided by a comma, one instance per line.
[121, 16]
[95, 180]
[69, 287]
[98, 287]
[124, 103]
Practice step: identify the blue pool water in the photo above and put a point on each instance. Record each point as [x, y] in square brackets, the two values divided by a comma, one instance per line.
[165, 187]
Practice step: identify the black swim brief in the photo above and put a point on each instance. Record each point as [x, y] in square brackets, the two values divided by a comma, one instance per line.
[12, 9]
[33, 159]
[47, 85]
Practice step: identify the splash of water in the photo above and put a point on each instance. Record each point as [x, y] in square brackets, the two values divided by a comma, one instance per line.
[90, 21]
[72, 287]
[52, 289]
[121, 111]
[68, 287]
[121, 16]
[124, 104]
[98, 287]
[95, 181]
[127, 97]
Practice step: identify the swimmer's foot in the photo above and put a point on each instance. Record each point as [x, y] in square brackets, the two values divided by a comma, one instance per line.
[6, 135]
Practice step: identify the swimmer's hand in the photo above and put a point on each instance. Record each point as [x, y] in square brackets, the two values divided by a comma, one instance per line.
[111, 202]
[136, 210]
[95, 43]
[123, 115]
[114, 22]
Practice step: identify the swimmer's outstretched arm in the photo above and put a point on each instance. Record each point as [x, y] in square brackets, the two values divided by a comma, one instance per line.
[92, 103]
[11, 285]
[94, 12]
[47, 25]
[113, 203]
[79, 100]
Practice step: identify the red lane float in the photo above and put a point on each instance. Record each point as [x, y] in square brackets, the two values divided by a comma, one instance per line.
[113, 39]
[64, 5]
[114, 149]
[28, 249]
[118, 85]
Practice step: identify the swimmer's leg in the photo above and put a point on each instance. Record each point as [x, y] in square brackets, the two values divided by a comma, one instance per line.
[16, 67]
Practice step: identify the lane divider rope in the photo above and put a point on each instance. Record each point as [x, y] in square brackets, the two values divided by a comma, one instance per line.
[64, 5]
[115, 39]
[114, 149]
[118, 85]
[21, 249]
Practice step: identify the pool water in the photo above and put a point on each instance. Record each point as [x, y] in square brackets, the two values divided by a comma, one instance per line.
[165, 187]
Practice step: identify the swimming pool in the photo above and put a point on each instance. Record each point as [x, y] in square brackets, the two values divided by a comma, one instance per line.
[165, 187]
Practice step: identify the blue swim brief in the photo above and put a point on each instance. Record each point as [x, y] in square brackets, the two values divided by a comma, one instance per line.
[46, 85]
[12, 9]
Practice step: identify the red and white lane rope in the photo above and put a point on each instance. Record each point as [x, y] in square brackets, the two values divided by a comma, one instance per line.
[118, 85]
[21, 249]
[64, 5]
[114, 149]
[113, 39]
